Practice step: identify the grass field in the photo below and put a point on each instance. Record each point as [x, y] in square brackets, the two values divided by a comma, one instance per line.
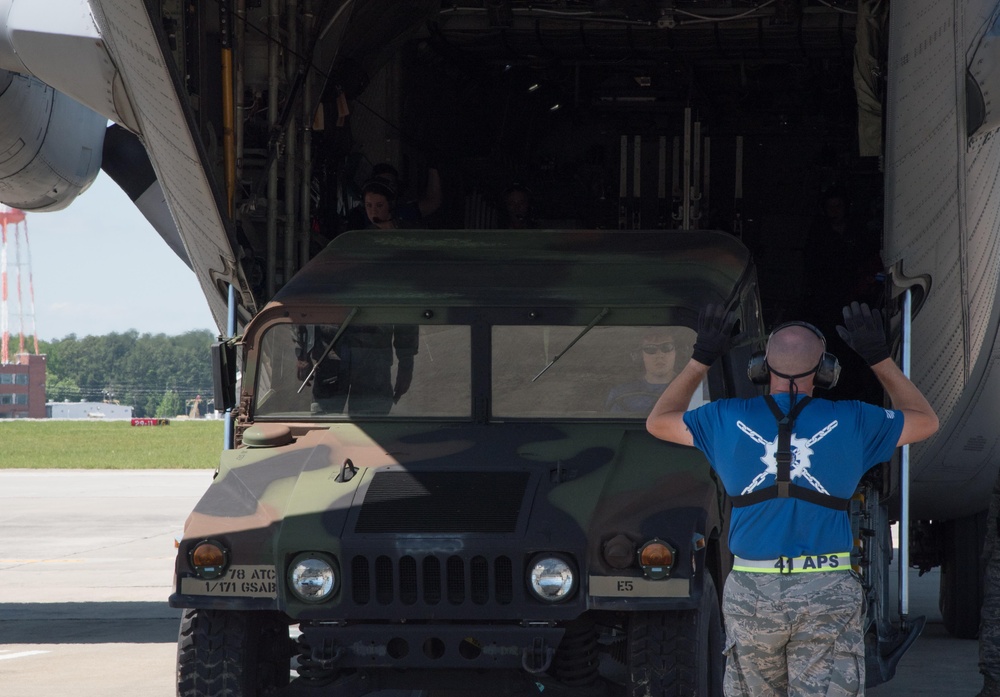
[109, 445]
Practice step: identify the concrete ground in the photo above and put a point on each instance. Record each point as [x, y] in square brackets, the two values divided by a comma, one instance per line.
[85, 570]
[937, 664]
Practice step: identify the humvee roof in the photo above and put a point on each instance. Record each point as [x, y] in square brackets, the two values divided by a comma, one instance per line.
[511, 268]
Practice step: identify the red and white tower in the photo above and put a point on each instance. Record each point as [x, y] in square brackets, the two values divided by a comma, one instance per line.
[15, 219]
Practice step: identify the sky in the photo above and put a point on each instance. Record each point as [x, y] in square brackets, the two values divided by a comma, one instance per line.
[98, 267]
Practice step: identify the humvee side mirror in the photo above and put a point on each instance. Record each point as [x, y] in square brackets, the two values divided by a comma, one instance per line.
[224, 374]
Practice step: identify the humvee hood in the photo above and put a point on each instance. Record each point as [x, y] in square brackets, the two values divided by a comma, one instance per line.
[432, 479]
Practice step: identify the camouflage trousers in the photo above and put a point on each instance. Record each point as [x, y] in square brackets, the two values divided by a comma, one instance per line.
[989, 623]
[794, 635]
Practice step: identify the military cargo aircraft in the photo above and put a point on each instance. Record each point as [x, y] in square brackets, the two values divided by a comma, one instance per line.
[244, 130]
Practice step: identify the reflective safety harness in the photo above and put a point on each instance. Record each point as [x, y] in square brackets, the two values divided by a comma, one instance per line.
[783, 487]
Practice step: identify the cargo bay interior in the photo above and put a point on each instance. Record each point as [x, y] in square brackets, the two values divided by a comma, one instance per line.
[703, 114]
[605, 117]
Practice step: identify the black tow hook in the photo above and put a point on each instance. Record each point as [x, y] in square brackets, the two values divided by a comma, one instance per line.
[325, 655]
[538, 657]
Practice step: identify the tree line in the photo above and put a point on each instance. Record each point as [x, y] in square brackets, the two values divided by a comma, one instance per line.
[156, 374]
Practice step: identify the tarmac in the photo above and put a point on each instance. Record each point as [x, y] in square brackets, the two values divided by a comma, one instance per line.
[85, 569]
[937, 664]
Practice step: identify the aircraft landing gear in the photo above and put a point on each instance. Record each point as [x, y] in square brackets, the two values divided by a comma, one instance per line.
[961, 593]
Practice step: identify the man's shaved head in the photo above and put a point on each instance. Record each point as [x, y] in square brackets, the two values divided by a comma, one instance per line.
[794, 350]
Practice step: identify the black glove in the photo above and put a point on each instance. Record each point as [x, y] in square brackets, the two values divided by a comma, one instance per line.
[863, 332]
[715, 326]
[404, 376]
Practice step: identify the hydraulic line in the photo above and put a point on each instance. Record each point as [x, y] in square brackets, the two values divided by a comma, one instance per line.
[228, 137]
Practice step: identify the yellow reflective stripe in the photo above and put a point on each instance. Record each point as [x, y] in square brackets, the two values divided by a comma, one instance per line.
[758, 570]
[794, 565]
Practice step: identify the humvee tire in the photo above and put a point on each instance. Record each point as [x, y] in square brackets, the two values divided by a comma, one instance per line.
[677, 653]
[224, 653]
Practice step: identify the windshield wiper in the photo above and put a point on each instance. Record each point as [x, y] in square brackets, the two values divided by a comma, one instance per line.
[600, 316]
[326, 351]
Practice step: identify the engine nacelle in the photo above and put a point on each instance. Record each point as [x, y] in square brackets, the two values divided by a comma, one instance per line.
[50, 145]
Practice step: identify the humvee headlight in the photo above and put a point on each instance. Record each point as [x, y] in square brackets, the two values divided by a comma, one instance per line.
[209, 559]
[656, 558]
[551, 578]
[312, 578]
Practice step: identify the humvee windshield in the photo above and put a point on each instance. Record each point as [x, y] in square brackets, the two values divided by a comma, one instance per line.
[308, 372]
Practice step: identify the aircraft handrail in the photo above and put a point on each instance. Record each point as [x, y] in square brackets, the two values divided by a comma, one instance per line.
[904, 470]
[227, 436]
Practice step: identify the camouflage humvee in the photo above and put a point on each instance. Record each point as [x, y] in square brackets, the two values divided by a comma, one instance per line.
[442, 478]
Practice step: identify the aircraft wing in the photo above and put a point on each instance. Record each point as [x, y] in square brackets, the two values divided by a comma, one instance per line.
[74, 65]
[157, 72]
[166, 128]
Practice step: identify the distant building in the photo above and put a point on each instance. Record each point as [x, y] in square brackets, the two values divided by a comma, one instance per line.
[22, 388]
[87, 410]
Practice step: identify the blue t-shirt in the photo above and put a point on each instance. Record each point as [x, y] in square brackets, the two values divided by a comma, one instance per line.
[636, 396]
[833, 445]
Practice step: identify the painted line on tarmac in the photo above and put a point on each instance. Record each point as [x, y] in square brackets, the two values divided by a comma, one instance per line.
[19, 654]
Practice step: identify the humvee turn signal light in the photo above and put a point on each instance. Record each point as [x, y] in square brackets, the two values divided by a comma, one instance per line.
[656, 558]
[209, 559]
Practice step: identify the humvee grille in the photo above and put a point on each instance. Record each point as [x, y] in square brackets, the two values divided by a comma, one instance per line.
[442, 502]
[454, 579]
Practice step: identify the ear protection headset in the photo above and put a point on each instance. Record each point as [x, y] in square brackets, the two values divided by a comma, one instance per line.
[380, 186]
[827, 370]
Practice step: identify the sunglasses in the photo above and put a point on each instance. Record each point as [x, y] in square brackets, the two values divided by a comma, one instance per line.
[652, 349]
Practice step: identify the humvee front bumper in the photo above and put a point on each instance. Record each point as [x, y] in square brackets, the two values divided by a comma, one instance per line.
[527, 647]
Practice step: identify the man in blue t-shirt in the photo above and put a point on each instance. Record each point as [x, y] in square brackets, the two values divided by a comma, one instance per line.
[793, 608]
